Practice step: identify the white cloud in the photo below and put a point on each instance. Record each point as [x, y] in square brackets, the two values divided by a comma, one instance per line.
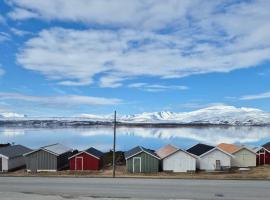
[156, 87]
[19, 32]
[112, 81]
[264, 95]
[74, 57]
[4, 36]
[198, 37]
[60, 100]
[19, 13]
[129, 13]
[213, 135]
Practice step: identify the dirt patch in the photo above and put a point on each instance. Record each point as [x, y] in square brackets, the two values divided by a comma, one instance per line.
[256, 173]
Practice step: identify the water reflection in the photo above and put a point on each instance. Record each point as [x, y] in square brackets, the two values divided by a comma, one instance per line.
[101, 137]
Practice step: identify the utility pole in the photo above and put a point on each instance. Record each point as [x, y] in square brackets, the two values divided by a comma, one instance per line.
[114, 140]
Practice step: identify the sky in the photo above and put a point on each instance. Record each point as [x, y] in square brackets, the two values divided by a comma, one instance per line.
[68, 57]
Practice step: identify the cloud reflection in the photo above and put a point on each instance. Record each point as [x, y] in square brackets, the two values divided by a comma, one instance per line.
[82, 138]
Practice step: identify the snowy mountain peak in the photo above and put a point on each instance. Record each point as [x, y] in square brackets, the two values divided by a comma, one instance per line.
[11, 115]
[219, 114]
[215, 115]
[229, 109]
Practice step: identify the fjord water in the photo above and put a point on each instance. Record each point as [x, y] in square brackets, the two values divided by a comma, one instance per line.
[127, 137]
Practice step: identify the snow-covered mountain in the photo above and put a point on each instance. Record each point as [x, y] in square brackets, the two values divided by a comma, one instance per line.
[11, 115]
[212, 115]
[215, 115]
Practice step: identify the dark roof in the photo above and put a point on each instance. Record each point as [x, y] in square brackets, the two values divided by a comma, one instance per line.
[133, 151]
[94, 152]
[267, 145]
[55, 149]
[5, 145]
[14, 151]
[200, 149]
[139, 149]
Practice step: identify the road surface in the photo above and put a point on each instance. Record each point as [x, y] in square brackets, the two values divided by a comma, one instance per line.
[40, 188]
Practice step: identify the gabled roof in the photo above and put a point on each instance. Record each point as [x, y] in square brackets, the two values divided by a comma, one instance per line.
[136, 150]
[14, 151]
[192, 155]
[230, 148]
[94, 152]
[267, 146]
[91, 151]
[257, 149]
[56, 149]
[245, 147]
[166, 150]
[200, 149]
[213, 149]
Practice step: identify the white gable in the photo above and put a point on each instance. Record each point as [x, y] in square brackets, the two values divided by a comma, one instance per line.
[210, 160]
[179, 161]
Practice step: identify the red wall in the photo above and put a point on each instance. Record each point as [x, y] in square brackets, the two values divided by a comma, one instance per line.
[89, 162]
[261, 160]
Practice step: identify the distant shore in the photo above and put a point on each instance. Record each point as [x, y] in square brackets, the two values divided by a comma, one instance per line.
[65, 123]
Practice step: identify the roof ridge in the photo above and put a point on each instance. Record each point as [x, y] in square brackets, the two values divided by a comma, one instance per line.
[49, 145]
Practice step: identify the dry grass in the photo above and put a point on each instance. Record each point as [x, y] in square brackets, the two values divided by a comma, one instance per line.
[257, 173]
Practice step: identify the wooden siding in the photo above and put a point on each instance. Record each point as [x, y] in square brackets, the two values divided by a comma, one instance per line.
[179, 162]
[149, 164]
[41, 160]
[208, 162]
[16, 163]
[4, 164]
[263, 158]
[89, 162]
[244, 158]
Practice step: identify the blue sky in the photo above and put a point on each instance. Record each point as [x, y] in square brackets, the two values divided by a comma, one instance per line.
[67, 57]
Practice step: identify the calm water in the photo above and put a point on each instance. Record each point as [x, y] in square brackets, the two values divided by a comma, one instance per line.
[82, 138]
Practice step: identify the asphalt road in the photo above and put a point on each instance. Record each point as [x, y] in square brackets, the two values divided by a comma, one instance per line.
[39, 188]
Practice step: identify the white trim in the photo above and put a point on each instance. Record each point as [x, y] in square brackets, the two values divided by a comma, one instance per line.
[259, 154]
[3, 156]
[244, 147]
[140, 163]
[216, 148]
[79, 157]
[190, 154]
[134, 154]
[84, 152]
[26, 154]
[144, 152]
[44, 149]
[259, 148]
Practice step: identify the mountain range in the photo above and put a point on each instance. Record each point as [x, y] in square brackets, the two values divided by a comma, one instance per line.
[214, 115]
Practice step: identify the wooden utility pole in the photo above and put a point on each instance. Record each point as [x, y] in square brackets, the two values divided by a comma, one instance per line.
[114, 141]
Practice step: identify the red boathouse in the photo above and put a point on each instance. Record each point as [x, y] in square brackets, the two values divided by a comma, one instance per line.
[90, 159]
[263, 156]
